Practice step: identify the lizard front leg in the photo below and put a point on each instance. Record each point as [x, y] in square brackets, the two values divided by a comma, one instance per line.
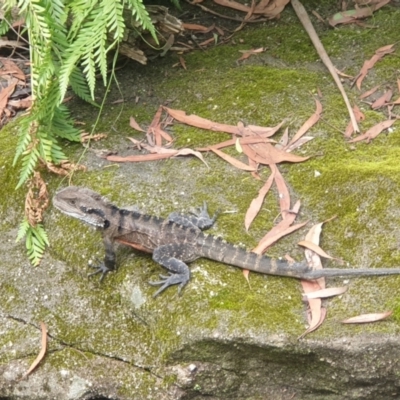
[170, 256]
[108, 264]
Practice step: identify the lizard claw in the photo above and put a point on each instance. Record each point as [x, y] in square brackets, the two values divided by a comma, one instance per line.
[100, 269]
[169, 280]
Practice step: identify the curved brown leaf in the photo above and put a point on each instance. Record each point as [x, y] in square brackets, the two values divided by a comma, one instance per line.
[315, 248]
[283, 191]
[133, 124]
[231, 160]
[268, 154]
[364, 318]
[265, 242]
[308, 124]
[323, 293]
[256, 203]
[374, 131]
[318, 315]
[200, 122]
[41, 353]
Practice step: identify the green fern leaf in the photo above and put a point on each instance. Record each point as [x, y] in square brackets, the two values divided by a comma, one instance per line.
[142, 16]
[22, 230]
[29, 161]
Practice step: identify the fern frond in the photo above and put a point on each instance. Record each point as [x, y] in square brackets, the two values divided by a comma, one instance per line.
[57, 10]
[29, 162]
[23, 141]
[79, 86]
[23, 229]
[115, 20]
[91, 36]
[80, 10]
[142, 16]
[36, 241]
[63, 126]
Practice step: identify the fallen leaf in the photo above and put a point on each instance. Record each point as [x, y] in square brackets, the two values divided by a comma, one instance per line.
[12, 69]
[265, 242]
[231, 160]
[283, 191]
[374, 131]
[318, 315]
[133, 124]
[200, 122]
[248, 53]
[349, 16]
[153, 134]
[183, 62]
[359, 117]
[207, 42]
[282, 226]
[385, 98]
[364, 318]
[308, 124]
[153, 149]
[5, 93]
[232, 142]
[323, 293]
[163, 134]
[186, 152]
[396, 102]
[261, 130]
[267, 154]
[238, 147]
[315, 248]
[41, 353]
[139, 158]
[195, 27]
[298, 143]
[284, 140]
[381, 52]
[256, 203]
[369, 92]
[21, 104]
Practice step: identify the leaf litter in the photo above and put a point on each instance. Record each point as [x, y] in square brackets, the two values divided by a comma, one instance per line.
[42, 352]
[15, 93]
[380, 102]
[252, 141]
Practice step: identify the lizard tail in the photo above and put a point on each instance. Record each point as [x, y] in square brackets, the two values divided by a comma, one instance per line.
[216, 249]
[328, 272]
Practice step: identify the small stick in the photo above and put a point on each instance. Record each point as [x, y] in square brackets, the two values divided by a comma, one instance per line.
[305, 20]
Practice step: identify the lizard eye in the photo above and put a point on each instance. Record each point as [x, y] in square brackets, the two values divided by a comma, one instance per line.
[72, 202]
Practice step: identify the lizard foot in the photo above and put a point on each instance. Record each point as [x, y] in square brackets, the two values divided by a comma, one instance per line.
[169, 280]
[100, 269]
[203, 218]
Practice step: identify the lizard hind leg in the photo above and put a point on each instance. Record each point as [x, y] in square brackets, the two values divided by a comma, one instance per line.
[170, 257]
[199, 218]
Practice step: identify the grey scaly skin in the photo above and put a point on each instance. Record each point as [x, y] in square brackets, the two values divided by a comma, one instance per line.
[178, 240]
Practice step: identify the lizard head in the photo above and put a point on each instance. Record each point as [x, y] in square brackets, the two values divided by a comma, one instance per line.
[83, 204]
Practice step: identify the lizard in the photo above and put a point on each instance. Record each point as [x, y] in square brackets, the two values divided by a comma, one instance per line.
[178, 240]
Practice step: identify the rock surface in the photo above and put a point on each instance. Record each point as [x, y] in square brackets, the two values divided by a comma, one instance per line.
[221, 339]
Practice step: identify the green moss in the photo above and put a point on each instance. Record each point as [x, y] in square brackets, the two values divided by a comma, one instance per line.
[358, 183]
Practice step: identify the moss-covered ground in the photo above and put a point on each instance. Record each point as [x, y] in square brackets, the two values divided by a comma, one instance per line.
[358, 183]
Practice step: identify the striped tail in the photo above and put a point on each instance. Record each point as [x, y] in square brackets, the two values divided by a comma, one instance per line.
[215, 248]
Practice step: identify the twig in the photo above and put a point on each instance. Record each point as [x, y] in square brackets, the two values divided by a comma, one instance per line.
[305, 20]
[225, 16]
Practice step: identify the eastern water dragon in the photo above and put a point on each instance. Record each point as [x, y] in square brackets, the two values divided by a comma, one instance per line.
[178, 240]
